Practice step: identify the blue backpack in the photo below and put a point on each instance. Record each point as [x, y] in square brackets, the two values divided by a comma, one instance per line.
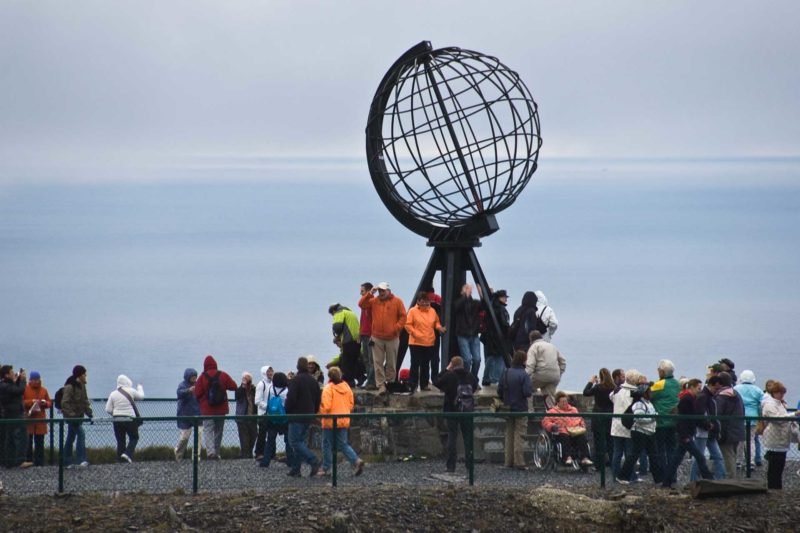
[275, 408]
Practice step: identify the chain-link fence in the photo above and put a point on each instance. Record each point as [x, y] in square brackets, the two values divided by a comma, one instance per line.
[398, 447]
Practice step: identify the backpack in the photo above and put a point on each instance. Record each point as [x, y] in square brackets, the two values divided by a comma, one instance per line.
[275, 407]
[538, 323]
[627, 421]
[57, 400]
[216, 393]
[465, 401]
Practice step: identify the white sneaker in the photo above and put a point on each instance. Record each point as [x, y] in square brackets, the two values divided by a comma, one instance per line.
[84, 464]
[178, 456]
[125, 457]
[622, 481]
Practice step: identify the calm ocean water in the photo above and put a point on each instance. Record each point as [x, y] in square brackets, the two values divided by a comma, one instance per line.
[691, 261]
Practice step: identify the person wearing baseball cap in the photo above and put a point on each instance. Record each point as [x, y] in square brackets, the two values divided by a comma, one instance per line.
[388, 320]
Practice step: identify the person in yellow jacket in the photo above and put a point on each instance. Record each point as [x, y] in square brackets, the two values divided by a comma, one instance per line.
[337, 399]
[422, 325]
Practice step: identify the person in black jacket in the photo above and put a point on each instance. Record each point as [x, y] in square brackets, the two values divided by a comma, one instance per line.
[707, 434]
[496, 349]
[448, 382]
[731, 432]
[467, 320]
[303, 398]
[600, 387]
[523, 321]
[15, 436]
[515, 389]
[685, 430]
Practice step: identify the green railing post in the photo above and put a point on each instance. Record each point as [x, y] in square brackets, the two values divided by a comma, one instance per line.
[747, 449]
[334, 449]
[195, 455]
[52, 437]
[470, 452]
[61, 456]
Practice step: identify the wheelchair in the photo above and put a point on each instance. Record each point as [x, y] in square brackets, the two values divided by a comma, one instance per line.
[548, 454]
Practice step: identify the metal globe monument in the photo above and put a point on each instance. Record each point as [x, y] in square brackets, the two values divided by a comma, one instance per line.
[452, 139]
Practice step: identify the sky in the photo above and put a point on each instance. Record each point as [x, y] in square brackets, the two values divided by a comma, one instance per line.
[98, 90]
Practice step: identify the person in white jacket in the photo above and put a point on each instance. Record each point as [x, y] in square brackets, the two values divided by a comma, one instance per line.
[546, 314]
[620, 435]
[121, 405]
[777, 435]
[262, 390]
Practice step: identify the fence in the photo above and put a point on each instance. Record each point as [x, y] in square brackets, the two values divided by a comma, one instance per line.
[403, 448]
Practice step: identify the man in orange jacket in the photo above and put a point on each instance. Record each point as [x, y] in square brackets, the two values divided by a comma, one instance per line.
[388, 319]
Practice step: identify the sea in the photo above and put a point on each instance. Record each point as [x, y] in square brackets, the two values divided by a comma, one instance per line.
[690, 260]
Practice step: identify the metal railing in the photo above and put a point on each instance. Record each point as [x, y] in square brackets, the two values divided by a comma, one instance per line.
[396, 445]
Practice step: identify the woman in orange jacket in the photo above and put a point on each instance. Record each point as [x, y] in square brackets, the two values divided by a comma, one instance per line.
[36, 394]
[337, 399]
[422, 325]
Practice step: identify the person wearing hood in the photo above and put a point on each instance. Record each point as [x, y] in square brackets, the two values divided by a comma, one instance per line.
[211, 392]
[187, 406]
[246, 406]
[546, 315]
[521, 325]
[422, 325]
[337, 399]
[315, 370]
[777, 435]
[752, 396]
[267, 373]
[731, 433]
[448, 382]
[121, 405]
[36, 402]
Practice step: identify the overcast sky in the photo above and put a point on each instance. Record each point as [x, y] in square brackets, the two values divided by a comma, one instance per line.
[101, 82]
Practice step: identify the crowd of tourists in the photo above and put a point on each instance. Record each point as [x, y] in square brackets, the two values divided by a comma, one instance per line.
[633, 446]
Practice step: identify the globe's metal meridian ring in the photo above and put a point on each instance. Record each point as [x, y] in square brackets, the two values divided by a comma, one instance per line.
[453, 137]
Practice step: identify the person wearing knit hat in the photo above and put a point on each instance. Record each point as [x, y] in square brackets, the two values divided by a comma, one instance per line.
[751, 397]
[75, 405]
[36, 402]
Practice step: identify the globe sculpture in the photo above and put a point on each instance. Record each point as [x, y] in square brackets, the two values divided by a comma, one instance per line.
[452, 138]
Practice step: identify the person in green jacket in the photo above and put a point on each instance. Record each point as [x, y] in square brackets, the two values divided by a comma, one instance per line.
[346, 335]
[664, 396]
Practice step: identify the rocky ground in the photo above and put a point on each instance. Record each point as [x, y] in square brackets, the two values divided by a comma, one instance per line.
[401, 508]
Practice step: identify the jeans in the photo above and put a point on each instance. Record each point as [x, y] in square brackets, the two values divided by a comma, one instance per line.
[470, 350]
[685, 445]
[453, 427]
[75, 432]
[300, 451]
[273, 430]
[130, 430]
[366, 357]
[710, 444]
[494, 369]
[622, 446]
[341, 445]
[666, 443]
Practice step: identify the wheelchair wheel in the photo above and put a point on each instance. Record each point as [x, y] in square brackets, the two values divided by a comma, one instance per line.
[542, 451]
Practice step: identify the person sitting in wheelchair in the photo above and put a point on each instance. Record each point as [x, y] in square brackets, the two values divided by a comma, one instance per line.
[569, 432]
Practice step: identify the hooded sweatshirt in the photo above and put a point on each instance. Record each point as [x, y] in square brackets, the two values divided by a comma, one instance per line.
[262, 389]
[337, 399]
[522, 321]
[546, 313]
[187, 403]
[118, 404]
[201, 387]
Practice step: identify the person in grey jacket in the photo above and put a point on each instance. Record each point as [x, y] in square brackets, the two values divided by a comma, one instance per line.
[545, 366]
[514, 389]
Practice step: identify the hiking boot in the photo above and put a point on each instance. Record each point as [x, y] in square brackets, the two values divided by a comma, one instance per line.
[315, 469]
[358, 468]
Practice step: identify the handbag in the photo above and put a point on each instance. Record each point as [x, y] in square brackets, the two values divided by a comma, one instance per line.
[576, 431]
[137, 417]
[35, 409]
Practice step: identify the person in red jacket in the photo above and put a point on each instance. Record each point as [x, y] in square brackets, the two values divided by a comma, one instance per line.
[211, 391]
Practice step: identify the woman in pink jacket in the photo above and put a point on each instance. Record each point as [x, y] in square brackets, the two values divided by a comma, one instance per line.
[569, 431]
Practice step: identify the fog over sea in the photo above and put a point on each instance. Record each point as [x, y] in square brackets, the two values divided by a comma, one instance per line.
[691, 260]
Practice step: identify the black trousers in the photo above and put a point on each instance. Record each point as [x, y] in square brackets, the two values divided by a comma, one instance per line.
[777, 462]
[36, 449]
[576, 447]
[351, 365]
[420, 364]
[126, 430]
[453, 427]
[601, 432]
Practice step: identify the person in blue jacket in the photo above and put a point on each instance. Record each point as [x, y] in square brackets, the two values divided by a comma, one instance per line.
[187, 406]
[752, 396]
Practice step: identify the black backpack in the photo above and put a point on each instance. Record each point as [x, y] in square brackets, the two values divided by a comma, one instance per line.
[465, 400]
[57, 399]
[216, 393]
[538, 324]
[627, 421]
